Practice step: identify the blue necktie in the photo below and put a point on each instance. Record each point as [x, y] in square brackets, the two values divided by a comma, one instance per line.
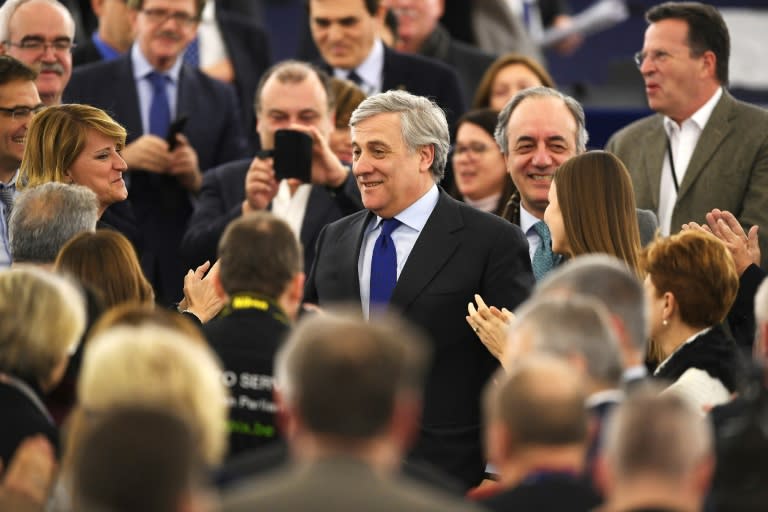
[159, 110]
[543, 258]
[383, 267]
[192, 55]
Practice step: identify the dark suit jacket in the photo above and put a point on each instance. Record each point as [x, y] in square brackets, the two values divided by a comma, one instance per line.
[21, 419]
[469, 62]
[160, 205]
[248, 50]
[220, 202]
[423, 77]
[85, 53]
[461, 251]
[728, 169]
[337, 483]
[558, 492]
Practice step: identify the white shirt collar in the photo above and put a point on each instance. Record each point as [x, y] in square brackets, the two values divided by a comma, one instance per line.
[416, 215]
[700, 117]
[604, 396]
[370, 70]
[527, 220]
[142, 67]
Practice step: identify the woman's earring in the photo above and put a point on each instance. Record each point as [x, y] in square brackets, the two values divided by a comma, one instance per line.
[664, 323]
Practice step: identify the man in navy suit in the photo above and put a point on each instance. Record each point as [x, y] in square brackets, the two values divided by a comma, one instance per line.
[293, 95]
[424, 254]
[345, 33]
[144, 90]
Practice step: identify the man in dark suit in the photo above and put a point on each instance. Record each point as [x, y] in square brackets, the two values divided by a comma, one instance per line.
[703, 149]
[419, 32]
[112, 38]
[536, 431]
[426, 255]
[349, 394]
[261, 279]
[346, 35]
[144, 90]
[291, 95]
[538, 130]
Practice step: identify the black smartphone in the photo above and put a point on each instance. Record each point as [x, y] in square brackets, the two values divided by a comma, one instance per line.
[293, 155]
[176, 127]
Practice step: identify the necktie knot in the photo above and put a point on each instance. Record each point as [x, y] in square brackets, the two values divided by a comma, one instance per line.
[543, 231]
[352, 76]
[158, 81]
[388, 226]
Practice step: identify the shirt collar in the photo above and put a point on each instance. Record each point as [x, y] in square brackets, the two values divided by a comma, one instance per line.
[527, 220]
[416, 215]
[370, 70]
[700, 117]
[142, 67]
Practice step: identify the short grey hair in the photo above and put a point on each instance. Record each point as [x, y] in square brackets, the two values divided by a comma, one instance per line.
[582, 327]
[607, 279]
[542, 92]
[656, 434]
[10, 6]
[422, 123]
[46, 217]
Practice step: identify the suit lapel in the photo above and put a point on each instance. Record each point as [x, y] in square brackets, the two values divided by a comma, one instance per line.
[127, 109]
[717, 128]
[434, 247]
[350, 242]
[655, 150]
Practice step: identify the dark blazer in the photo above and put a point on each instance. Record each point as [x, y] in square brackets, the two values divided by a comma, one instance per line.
[461, 251]
[557, 492]
[220, 202]
[741, 318]
[423, 77]
[160, 205]
[469, 62]
[248, 50]
[21, 419]
[246, 341]
[85, 53]
[337, 483]
[728, 169]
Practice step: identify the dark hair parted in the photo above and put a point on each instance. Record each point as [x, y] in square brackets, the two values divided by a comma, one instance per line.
[13, 70]
[259, 253]
[597, 201]
[707, 30]
[698, 270]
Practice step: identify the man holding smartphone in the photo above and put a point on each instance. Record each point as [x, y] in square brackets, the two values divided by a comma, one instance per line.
[292, 96]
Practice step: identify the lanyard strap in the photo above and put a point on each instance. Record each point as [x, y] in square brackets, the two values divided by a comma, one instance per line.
[25, 390]
[672, 165]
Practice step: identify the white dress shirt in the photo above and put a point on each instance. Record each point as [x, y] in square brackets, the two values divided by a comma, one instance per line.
[292, 208]
[683, 140]
[404, 237]
[370, 70]
[141, 68]
[527, 221]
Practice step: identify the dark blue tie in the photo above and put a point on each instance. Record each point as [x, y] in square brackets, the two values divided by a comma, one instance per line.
[192, 55]
[159, 110]
[383, 267]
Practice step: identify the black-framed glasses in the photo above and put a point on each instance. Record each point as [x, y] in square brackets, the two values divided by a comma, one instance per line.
[34, 44]
[656, 56]
[162, 15]
[19, 113]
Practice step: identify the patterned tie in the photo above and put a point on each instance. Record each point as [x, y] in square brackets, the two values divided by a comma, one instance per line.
[6, 196]
[543, 258]
[192, 55]
[159, 109]
[383, 267]
[352, 76]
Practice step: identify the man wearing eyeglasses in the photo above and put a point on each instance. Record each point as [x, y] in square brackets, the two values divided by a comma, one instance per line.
[19, 101]
[146, 90]
[703, 149]
[40, 33]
